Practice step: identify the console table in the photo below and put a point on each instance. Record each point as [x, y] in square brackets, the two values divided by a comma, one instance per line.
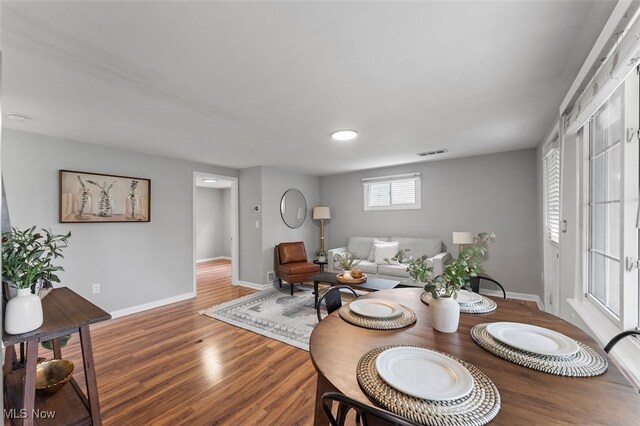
[65, 312]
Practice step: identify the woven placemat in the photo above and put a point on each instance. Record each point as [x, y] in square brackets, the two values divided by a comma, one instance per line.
[482, 307]
[407, 317]
[586, 363]
[477, 408]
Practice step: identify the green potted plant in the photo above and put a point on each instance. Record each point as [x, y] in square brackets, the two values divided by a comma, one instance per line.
[26, 259]
[445, 311]
[347, 260]
[321, 255]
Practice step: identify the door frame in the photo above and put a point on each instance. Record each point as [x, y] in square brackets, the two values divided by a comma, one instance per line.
[235, 261]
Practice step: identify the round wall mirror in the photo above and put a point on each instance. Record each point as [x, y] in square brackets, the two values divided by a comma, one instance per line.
[293, 208]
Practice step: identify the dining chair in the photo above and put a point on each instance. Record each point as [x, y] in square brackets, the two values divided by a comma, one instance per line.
[474, 282]
[332, 299]
[365, 411]
[619, 337]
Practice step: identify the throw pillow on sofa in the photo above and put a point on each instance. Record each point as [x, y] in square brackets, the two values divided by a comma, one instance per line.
[384, 251]
[372, 252]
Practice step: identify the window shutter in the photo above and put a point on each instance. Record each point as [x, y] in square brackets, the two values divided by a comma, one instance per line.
[403, 191]
[379, 194]
[552, 193]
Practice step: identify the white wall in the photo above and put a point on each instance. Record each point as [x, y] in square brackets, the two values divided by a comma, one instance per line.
[213, 232]
[495, 192]
[136, 263]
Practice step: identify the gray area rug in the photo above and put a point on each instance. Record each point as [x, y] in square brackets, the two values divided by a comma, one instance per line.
[273, 313]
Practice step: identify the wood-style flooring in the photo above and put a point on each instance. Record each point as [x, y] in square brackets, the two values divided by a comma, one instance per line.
[171, 366]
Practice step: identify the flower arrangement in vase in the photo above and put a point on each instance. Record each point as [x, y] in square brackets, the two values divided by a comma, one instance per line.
[105, 205]
[321, 255]
[83, 201]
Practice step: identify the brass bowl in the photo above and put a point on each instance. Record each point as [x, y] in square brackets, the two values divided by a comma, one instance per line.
[52, 375]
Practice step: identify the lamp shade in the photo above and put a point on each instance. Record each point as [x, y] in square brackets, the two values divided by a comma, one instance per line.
[462, 238]
[321, 213]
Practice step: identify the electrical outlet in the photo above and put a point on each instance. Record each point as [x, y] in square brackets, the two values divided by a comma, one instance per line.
[96, 288]
[270, 276]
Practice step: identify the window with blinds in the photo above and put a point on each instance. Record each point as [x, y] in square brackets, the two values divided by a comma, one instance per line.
[392, 192]
[552, 192]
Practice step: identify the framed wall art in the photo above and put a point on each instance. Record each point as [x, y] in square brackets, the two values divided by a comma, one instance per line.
[96, 197]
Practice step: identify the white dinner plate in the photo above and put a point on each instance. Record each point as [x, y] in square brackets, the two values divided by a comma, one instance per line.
[468, 298]
[424, 373]
[533, 339]
[375, 308]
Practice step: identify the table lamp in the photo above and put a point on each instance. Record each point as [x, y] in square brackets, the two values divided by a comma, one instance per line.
[462, 238]
[321, 214]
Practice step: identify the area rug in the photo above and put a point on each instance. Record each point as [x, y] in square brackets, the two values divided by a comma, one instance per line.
[274, 313]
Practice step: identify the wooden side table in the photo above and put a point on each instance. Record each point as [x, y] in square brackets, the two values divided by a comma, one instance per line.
[65, 312]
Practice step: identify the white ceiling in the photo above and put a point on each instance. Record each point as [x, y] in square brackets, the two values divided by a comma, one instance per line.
[242, 84]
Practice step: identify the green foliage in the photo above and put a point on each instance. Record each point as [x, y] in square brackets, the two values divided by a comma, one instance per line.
[347, 260]
[27, 256]
[48, 344]
[456, 273]
[400, 257]
[319, 253]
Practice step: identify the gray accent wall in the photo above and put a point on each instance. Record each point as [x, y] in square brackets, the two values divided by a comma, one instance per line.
[496, 192]
[275, 182]
[136, 263]
[265, 186]
[213, 233]
[249, 195]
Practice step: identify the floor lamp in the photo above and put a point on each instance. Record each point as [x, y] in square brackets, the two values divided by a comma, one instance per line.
[462, 238]
[321, 214]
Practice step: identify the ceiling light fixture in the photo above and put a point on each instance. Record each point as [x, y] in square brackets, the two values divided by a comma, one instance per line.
[209, 180]
[344, 135]
[20, 118]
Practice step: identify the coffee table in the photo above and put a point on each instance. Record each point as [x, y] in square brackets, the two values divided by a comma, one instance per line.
[371, 284]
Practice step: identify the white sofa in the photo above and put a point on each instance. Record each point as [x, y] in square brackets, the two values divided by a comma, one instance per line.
[361, 247]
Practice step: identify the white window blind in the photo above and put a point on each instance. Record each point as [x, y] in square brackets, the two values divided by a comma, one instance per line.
[552, 192]
[379, 194]
[392, 192]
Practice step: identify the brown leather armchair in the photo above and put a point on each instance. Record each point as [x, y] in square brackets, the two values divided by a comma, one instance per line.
[291, 264]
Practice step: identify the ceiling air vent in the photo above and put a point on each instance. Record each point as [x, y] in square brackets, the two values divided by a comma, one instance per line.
[430, 153]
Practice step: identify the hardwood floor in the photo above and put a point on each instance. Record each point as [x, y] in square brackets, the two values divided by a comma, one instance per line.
[171, 366]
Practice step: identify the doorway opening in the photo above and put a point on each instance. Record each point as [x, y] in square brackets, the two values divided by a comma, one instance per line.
[215, 221]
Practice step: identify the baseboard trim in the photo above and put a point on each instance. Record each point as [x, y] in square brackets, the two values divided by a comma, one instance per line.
[207, 259]
[151, 305]
[518, 296]
[254, 285]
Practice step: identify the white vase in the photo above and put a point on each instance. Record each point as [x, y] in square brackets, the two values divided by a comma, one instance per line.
[445, 314]
[23, 312]
[322, 259]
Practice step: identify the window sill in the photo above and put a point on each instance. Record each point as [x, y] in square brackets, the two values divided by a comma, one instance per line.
[625, 354]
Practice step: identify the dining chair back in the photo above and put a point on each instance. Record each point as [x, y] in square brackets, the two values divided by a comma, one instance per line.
[332, 299]
[474, 282]
[619, 337]
[366, 412]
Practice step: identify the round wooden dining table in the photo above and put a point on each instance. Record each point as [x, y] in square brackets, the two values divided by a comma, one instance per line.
[528, 396]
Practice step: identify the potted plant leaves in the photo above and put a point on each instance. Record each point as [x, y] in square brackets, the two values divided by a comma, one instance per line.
[26, 259]
[444, 309]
